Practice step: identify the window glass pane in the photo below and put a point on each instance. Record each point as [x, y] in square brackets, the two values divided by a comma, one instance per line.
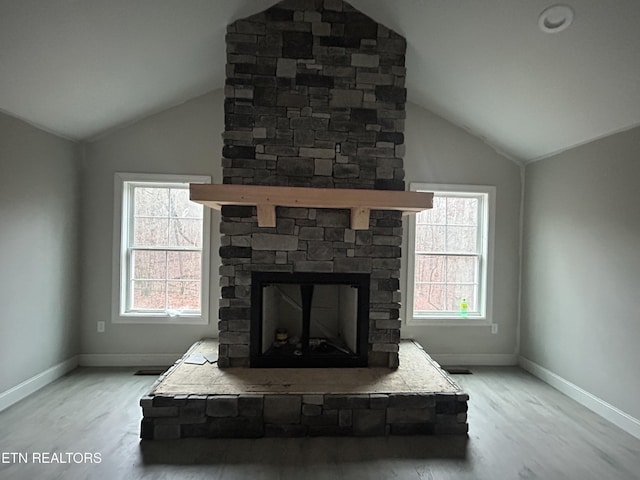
[462, 240]
[184, 295]
[150, 232]
[461, 269]
[435, 215]
[148, 295]
[149, 265]
[430, 268]
[185, 232]
[151, 202]
[430, 238]
[181, 206]
[462, 211]
[428, 297]
[455, 294]
[184, 265]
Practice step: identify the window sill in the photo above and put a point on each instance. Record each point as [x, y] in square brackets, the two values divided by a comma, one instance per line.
[451, 321]
[160, 320]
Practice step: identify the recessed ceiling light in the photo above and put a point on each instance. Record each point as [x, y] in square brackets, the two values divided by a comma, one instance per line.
[555, 19]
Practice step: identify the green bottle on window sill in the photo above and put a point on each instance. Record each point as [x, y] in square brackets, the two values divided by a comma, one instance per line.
[463, 308]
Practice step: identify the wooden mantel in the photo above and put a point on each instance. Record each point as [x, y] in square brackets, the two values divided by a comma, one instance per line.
[267, 198]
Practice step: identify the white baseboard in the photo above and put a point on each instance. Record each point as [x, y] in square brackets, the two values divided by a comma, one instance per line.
[35, 383]
[127, 359]
[477, 359]
[616, 416]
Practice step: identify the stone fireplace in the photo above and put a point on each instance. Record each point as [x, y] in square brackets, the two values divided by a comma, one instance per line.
[314, 97]
[314, 120]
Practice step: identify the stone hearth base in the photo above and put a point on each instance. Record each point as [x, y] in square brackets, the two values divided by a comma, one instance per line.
[206, 401]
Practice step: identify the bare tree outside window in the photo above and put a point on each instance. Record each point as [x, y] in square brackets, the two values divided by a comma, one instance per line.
[165, 249]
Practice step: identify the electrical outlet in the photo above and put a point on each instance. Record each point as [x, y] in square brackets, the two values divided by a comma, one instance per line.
[100, 327]
[494, 328]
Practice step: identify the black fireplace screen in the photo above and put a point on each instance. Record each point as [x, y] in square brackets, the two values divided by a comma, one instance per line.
[309, 319]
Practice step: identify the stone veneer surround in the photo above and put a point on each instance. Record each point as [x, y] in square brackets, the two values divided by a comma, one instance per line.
[314, 97]
[170, 417]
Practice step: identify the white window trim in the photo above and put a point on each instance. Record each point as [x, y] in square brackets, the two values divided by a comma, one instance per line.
[119, 255]
[486, 316]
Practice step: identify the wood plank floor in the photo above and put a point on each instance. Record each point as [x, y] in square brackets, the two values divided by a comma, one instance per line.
[520, 428]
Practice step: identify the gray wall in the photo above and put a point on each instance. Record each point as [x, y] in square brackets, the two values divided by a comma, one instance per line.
[38, 251]
[185, 139]
[581, 312]
[439, 152]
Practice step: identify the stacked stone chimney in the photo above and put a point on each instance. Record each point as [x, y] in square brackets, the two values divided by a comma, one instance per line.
[314, 97]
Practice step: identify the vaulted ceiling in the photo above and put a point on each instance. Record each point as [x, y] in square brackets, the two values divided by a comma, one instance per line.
[80, 68]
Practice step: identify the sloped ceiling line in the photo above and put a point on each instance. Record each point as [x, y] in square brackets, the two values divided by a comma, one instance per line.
[80, 69]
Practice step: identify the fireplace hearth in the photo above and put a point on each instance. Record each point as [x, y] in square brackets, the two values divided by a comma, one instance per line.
[418, 398]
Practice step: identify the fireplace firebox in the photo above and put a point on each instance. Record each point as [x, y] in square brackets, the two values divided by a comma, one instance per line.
[309, 319]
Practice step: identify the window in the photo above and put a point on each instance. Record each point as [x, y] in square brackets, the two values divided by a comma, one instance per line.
[161, 250]
[450, 265]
